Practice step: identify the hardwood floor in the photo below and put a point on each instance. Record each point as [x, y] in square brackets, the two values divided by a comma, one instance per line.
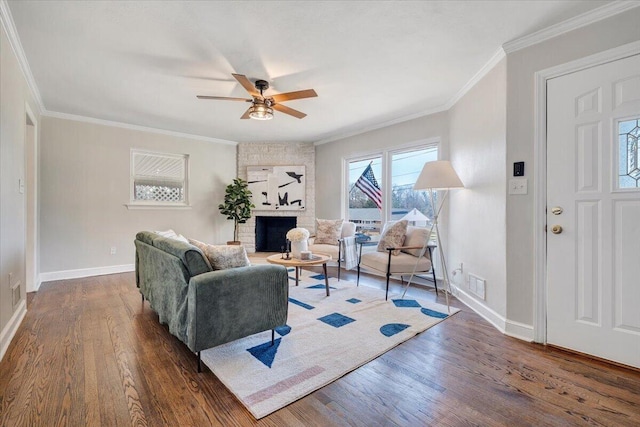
[88, 353]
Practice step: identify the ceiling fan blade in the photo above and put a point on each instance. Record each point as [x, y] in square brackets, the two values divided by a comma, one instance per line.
[289, 111]
[246, 84]
[246, 114]
[300, 94]
[224, 98]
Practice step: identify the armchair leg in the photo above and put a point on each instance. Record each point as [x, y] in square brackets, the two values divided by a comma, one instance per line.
[273, 336]
[339, 258]
[386, 296]
[358, 279]
[435, 282]
[199, 363]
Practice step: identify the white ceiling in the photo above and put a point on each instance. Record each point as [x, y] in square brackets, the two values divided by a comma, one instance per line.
[144, 62]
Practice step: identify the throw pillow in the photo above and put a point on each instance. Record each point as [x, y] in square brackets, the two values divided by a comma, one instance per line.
[222, 257]
[393, 236]
[416, 236]
[170, 234]
[328, 231]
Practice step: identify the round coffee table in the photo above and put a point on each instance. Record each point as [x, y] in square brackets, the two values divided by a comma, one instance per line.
[299, 263]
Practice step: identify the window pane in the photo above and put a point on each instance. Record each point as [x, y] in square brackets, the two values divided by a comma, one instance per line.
[405, 169]
[159, 177]
[365, 194]
[629, 154]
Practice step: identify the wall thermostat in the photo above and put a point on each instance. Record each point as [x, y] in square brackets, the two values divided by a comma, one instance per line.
[518, 169]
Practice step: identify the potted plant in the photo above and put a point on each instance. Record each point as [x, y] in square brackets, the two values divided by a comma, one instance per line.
[237, 205]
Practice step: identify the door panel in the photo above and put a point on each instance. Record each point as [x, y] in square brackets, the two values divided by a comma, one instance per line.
[593, 264]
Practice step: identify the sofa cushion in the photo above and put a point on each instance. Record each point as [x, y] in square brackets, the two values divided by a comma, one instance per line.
[331, 250]
[328, 231]
[222, 257]
[393, 236]
[416, 236]
[190, 255]
[403, 263]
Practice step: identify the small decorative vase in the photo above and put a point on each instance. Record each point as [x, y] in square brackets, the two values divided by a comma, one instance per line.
[296, 247]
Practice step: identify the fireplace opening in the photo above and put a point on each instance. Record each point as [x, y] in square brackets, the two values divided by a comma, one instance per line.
[271, 232]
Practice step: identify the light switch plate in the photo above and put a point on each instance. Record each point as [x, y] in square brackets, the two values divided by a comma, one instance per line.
[518, 186]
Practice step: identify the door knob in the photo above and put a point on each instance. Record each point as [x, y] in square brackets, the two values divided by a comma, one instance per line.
[556, 229]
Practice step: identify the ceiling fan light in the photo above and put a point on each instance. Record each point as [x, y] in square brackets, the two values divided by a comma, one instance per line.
[260, 111]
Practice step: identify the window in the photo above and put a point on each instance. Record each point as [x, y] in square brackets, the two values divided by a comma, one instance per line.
[405, 168]
[365, 193]
[629, 154]
[159, 179]
[394, 172]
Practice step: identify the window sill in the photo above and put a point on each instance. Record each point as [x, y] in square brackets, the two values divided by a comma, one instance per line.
[134, 206]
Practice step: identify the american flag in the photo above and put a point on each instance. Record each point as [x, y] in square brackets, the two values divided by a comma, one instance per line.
[369, 186]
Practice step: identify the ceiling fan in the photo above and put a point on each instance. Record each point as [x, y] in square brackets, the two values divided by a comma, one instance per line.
[262, 106]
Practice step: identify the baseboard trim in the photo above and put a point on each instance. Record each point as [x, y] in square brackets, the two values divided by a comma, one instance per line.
[85, 272]
[519, 330]
[11, 328]
[511, 328]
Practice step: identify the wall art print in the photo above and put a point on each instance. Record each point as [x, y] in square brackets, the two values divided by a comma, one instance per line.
[277, 187]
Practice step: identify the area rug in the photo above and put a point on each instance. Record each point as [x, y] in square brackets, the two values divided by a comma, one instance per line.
[324, 339]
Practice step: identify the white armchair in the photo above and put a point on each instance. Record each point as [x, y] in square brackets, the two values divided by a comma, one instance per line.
[407, 257]
[335, 250]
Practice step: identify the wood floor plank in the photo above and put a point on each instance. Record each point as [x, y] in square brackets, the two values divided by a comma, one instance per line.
[90, 353]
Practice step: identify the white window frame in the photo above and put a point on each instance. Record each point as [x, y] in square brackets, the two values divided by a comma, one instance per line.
[386, 155]
[152, 204]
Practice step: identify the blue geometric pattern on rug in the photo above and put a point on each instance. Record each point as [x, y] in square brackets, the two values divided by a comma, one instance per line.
[406, 303]
[301, 304]
[319, 286]
[313, 354]
[318, 277]
[336, 320]
[283, 330]
[391, 329]
[265, 352]
[433, 313]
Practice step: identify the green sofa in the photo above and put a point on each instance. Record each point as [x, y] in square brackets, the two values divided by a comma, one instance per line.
[205, 308]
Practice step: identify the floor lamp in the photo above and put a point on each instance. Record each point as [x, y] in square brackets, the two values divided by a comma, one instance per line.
[438, 175]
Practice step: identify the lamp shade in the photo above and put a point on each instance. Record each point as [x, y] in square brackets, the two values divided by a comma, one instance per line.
[415, 215]
[438, 175]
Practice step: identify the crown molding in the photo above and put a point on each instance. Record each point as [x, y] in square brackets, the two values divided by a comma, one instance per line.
[570, 24]
[16, 46]
[77, 118]
[497, 57]
[381, 125]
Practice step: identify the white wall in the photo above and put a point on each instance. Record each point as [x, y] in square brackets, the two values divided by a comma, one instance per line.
[329, 156]
[477, 230]
[14, 96]
[521, 67]
[84, 174]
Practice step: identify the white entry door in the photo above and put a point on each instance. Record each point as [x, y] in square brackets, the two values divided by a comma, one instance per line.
[593, 211]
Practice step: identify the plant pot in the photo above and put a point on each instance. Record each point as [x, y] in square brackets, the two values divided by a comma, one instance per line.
[234, 242]
[296, 247]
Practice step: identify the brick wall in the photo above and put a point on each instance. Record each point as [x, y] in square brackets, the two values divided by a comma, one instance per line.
[278, 154]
